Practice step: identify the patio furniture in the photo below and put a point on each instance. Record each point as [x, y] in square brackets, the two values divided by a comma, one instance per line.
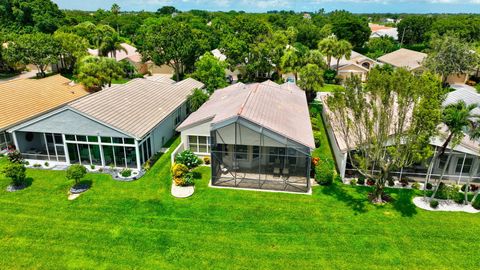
[276, 172]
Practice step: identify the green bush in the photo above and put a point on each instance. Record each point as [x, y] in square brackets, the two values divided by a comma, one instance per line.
[126, 173]
[416, 185]
[459, 198]
[390, 182]
[76, 172]
[404, 181]
[206, 160]
[429, 186]
[15, 156]
[361, 180]
[178, 173]
[16, 172]
[353, 182]
[317, 136]
[189, 159]
[476, 203]
[46, 164]
[324, 172]
[434, 204]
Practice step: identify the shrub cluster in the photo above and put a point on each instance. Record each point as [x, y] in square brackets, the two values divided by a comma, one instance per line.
[361, 180]
[317, 136]
[178, 172]
[206, 160]
[434, 204]
[16, 172]
[476, 203]
[324, 171]
[15, 156]
[126, 173]
[189, 159]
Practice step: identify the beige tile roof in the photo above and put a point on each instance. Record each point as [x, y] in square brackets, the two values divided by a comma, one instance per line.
[137, 106]
[280, 108]
[23, 99]
[404, 58]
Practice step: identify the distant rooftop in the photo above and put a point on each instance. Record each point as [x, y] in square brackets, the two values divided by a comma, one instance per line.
[405, 58]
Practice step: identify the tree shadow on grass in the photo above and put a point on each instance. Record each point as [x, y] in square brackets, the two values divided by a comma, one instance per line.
[403, 201]
[357, 199]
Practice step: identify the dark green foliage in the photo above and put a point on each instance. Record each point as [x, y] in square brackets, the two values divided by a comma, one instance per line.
[348, 26]
[76, 172]
[166, 10]
[413, 29]
[330, 76]
[16, 172]
[126, 172]
[189, 159]
[317, 136]
[324, 171]
[476, 203]
[196, 100]
[433, 204]
[429, 186]
[361, 180]
[15, 156]
[390, 182]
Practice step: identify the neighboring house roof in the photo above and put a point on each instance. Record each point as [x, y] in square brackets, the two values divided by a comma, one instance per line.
[219, 55]
[405, 58]
[282, 109]
[130, 53]
[391, 32]
[462, 92]
[355, 59]
[137, 106]
[164, 78]
[23, 99]
[376, 27]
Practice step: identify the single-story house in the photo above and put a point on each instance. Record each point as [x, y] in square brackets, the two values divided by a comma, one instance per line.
[358, 65]
[464, 159]
[258, 136]
[132, 55]
[413, 61]
[121, 126]
[24, 99]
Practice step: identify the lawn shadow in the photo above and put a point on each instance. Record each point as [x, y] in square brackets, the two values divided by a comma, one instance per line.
[403, 201]
[340, 192]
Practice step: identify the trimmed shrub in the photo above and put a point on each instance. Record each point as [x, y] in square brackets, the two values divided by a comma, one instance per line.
[371, 181]
[324, 172]
[361, 180]
[206, 160]
[416, 185]
[338, 178]
[189, 179]
[76, 172]
[126, 173]
[188, 158]
[37, 165]
[15, 156]
[459, 198]
[429, 186]
[390, 182]
[92, 167]
[434, 204]
[179, 170]
[46, 164]
[317, 136]
[353, 182]
[404, 182]
[476, 203]
[16, 172]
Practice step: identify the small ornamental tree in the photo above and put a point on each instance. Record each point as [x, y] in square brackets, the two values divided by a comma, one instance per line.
[16, 172]
[189, 159]
[76, 172]
[15, 157]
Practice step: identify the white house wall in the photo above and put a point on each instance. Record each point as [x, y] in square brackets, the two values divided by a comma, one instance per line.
[166, 130]
[340, 157]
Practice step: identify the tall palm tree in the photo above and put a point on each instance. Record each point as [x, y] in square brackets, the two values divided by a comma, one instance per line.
[343, 49]
[458, 117]
[115, 9]
[328, 46]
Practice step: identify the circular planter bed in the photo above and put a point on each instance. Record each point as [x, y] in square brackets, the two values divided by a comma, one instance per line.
[182, 192]
[80, 188]
[13, 188]
[444, 205]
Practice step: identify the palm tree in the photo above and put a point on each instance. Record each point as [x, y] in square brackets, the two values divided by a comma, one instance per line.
[115, 9]
[457, 117]
[343, 49]
[328, 46]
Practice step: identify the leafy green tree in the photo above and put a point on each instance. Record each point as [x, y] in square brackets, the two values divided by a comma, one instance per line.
[211, 72]
[380, 46]
[343, 49]
[115, 9]
[315, 57]
[235, 49]
[166, 10]
[412, 29]
[38, 49]
[291, 62]
[196, 100]
[97, 72]
[311, 80]
[76, 172]
[348, 26]
[392, 118]
[309, 34]
[328, 48]
[171, 43]
[16, 172]
[107, 41]
[451, 55]
[72, 48]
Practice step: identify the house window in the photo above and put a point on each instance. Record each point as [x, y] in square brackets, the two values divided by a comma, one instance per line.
[199, 144]
[467, 165]
[241, 152]
[178, 116]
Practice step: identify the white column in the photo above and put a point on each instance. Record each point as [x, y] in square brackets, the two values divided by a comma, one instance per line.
[137, 153]
[461, 170]
[101, 150]
[14, 136]
[65, 149]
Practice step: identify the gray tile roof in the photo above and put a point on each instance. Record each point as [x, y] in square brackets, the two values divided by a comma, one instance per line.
[137, 106]
[280, 108]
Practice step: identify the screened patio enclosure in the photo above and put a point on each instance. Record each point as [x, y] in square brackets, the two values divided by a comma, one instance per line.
[246, 155]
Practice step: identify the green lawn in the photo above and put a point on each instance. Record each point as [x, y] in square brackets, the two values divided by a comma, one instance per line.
[119, 225]
[330, 87]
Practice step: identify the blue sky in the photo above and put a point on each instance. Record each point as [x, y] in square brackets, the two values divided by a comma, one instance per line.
[357, 6]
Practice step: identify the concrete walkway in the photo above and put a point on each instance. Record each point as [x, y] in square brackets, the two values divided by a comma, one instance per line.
[23, 75]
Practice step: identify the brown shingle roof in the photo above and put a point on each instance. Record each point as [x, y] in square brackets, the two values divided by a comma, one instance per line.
[23, 99]
[137, 106]
[280, 108]
[404, 58]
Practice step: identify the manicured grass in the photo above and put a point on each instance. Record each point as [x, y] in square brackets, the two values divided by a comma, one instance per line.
[119, 225]
[318, 125]
[330, 87]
